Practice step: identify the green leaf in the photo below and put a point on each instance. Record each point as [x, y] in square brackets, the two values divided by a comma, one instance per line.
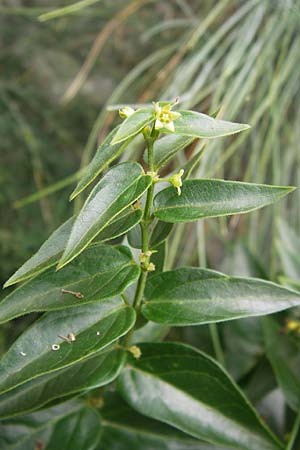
[121, 224]
[117, 190]
[158, 235]
[243, 343]
[104, 156]
[70, 426]
[46, 256]
[134, 124]
[198, 125]
[50, 252]
[124, 429]
[98, 370]
[283, 352]
[94, 326]
[166, 148]
[185, 388]
[191, 296]
[134, 237]
[214, 198]
[259, 382]
[102, 271]
[151, 332]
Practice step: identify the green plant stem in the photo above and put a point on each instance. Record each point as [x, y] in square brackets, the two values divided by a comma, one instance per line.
[145, 228]
[294, 433]
[215, 337]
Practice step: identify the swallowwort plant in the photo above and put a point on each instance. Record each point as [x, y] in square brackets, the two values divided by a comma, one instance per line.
[98, 301]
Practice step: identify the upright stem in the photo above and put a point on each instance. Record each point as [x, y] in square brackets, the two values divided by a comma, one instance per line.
[145, 224]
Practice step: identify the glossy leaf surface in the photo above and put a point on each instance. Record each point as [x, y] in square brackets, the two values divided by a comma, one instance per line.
[214, 198]
[166, 148]
[100, 272]
[185, 388]
[105, 155]
[125, 429]
[70, 426]
[192, 123]
[121, 224]
[283, 352]
[117, 190]
[98, 370]
[50, 252]
[192, 296]
[134, 124]
[47, 255]
[94, 327]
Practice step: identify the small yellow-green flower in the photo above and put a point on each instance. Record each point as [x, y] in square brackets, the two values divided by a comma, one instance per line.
[126, 112]
[135, 351]
[164, 117]
[176, 180]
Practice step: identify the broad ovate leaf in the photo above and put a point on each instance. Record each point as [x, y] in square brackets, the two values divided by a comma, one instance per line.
[198, 125]
[133, 125]
[214, 198]
[93, 372]
[117, 190]
[192, 296]
[105, 155]
[44, 348]
[185, 388]
[69, 426]
[100, 272]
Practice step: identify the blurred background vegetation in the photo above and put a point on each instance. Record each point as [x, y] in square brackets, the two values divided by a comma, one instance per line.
[65, 69]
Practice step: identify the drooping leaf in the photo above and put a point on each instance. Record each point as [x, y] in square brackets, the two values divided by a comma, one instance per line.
[117, 190]
[283, 352]
[185, 388]
[98, 370]
[100, 272]
[70, 426]
[124, 429]
[214, 198]
[94, 327]
[166, 148]
[134, 124]
[192, 123]
[46, 256]
[104, 156]
[192, 296]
